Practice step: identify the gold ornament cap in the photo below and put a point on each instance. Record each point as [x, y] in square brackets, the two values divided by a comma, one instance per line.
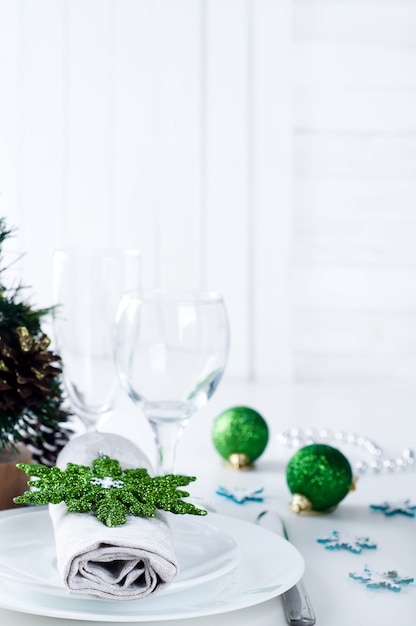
[239, 460]
[300, 504]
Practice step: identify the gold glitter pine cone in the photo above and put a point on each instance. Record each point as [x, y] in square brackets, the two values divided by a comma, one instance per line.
[28, 371]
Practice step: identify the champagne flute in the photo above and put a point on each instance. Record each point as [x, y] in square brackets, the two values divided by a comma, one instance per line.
[87, 286]
[170, 350]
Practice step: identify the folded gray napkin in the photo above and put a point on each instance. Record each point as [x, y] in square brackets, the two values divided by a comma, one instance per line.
[127, 562]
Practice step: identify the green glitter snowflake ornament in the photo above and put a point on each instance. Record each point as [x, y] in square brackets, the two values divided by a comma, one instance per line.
[107, 490]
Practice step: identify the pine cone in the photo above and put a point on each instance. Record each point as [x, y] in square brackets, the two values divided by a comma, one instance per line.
[27, 371]
[30, 393]
[44, 442]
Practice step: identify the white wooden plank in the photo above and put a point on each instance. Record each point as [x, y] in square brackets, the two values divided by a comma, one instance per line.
[354, 110]
[375, 243]
[90, 104]
[358, 22]
[355, 289]
[272, 191]
[11, 62]
[40, 165]
[136, 124]
[361, 156]
[228, 216]
[342, 199]
[179, 143]
[9, 18]
[339, 333]
[354, 65]
[158, 185]
[340, 3]
[360, 369]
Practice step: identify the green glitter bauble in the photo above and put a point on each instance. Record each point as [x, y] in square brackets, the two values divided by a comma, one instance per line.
[240, 435]
[319, 477]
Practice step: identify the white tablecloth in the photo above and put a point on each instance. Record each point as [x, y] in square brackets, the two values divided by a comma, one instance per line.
[383, 412]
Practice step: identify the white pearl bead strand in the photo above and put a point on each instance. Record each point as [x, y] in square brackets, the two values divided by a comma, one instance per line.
[298, 438]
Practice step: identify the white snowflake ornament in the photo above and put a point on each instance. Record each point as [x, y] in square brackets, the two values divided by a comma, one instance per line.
[376, 580]
[403, 507]
[340, 541]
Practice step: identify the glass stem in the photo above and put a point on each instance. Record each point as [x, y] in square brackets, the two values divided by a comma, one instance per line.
[93, 421]
[167, 435]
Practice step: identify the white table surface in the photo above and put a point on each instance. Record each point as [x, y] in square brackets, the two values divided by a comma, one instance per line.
[383, 412]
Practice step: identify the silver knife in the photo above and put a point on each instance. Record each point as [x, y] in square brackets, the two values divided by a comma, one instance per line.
[296, 602]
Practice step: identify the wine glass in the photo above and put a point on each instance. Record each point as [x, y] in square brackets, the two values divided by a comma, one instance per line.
[170, 350]
[87, 286]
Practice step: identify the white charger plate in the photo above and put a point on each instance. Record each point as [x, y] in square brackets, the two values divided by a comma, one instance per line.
[203, 551]
[269, 565]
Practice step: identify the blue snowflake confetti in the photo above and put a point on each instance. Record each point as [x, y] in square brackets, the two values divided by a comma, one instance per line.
[377, 580]
[399, 507]
[339, 541]
[241, 494]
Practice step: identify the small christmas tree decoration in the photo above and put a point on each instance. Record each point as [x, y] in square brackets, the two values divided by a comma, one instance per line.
[376, 580]
[31, 397]
[107, 490]
[240, 435]
[319, 477]
[342, 541]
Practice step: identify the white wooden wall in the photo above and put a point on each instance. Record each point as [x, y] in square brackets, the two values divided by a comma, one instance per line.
[355, 188]
[263, 148]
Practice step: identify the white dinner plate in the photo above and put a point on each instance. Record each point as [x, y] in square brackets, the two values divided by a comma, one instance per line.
[269, 565]
[204, 552]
